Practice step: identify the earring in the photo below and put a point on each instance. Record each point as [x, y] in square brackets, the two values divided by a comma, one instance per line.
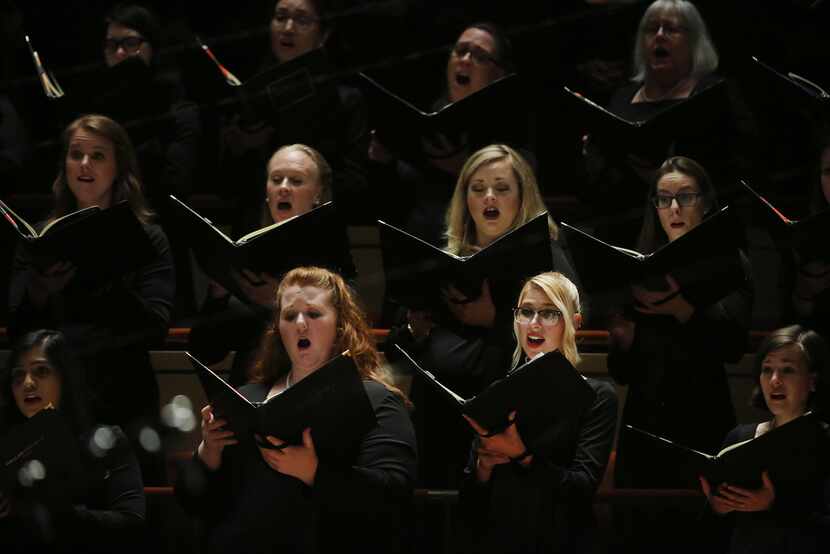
[266, 198]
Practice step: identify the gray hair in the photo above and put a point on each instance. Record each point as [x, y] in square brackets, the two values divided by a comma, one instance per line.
[704, 55]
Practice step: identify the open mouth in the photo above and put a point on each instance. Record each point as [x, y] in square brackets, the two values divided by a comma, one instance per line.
[777, 396]
[303, 344]
[86, 178]
[535, 341]
[462, 79]
[34, 399]
[661, 53]
[491, 213]
[287, 43]
[284, 206]
[677, 225]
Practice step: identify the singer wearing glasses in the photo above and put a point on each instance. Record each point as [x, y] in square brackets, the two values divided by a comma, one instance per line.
[670, 353]
[541, 501]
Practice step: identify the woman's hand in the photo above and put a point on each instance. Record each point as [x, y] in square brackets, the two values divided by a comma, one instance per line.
[52, 280]
[444, 154]
[500, 448]
[507, 443]
[297, 461]
[419, 323]
[749, 500]
[480, 312]
[669, 302]
[258, 287]
[486, 460]
[214, 439]
[719, 504]
[621, 332]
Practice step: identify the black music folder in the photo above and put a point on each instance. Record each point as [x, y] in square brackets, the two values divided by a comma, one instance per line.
[787, 89]
[670, 123]
[103, 244]
[315, 238]
[706, 261]
[294, 92]
[807, 236]
[543, 392]
[416, 270]
[790, 453]
[332, 401]
[41, 454]
[496, 113]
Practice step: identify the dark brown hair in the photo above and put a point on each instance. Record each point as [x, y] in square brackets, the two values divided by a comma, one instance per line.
[652, 235]
[815, 352]
[127, 183]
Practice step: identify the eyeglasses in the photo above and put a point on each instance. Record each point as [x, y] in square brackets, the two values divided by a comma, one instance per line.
[669, 29]
[40, 371]
[478, 55]
[547, 316]
[684, 199]
[131, 45]
[301, 20]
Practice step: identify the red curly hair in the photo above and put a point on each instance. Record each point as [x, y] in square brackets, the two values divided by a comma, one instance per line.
[272, 361]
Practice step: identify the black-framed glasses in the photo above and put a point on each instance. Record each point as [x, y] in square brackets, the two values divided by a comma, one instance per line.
[546, 316]
[301, 20]
[478, 54]
[669, 29]
[684, 199]
[39, 371]
[131, 45]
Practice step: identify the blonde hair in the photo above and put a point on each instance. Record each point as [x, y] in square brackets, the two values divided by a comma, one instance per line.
[565, 296]
[324, 176]
[461, 232]
[353, 332]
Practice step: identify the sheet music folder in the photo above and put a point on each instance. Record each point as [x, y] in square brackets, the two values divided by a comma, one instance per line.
[790, 453]
[315, 238]
[496, 113]
[332, 401]
[664, 127]
[120, 242]
[807, 236]
[543, 391]
[706, 261]
[47, 439]
[416, 270]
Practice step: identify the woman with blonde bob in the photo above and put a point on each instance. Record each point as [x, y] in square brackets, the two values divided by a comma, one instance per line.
[255, 499]
[541, 501]
[467, 341]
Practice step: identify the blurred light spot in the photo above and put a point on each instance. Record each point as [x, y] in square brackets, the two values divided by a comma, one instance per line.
[178, 414]
[102, 441]
[149, 439]
[31, 472]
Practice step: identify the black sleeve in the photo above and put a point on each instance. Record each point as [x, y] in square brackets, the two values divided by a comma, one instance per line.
[725, 323]
[147, 296]
[384, 472]
[722, 327]
[581, 477]
[119, 502]
[181, 150]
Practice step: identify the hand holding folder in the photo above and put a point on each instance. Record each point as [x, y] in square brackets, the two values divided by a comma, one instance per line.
[705, 263]
[331, 401]
[539, 394]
